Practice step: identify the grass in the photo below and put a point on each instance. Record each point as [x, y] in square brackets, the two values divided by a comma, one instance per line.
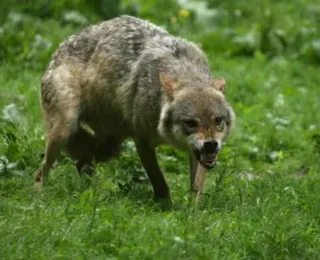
[262, 199]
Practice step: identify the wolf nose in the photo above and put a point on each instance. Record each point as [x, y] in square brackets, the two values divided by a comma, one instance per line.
[210, 146]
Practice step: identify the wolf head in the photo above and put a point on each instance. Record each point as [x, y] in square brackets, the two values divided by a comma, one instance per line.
[196, 117]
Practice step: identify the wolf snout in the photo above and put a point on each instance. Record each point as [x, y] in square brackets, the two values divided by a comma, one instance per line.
[210, 147]
[207, 155]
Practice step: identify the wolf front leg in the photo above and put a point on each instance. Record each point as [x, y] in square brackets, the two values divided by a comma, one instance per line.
[197, 179]
[149, 161]
[193, 162]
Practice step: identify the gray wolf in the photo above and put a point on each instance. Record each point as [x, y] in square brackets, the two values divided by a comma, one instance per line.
[128, 78]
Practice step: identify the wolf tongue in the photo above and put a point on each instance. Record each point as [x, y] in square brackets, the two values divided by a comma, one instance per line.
[209, 158]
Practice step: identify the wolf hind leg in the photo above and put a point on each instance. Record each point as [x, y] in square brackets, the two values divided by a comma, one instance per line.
[80, 147]
[86, 148]
[57, 137]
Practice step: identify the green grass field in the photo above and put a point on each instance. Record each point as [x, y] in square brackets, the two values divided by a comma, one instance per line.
[263, 198]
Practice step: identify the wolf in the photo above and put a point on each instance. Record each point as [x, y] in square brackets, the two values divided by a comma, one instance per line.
[128, 78]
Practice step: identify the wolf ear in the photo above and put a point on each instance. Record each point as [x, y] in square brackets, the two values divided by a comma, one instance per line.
[219, 84]
[169, 83]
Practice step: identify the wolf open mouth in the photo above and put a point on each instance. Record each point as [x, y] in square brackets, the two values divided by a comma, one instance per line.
[208, 160]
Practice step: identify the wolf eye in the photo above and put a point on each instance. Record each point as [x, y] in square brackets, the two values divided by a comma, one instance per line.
[190, 123]
[218, 120]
